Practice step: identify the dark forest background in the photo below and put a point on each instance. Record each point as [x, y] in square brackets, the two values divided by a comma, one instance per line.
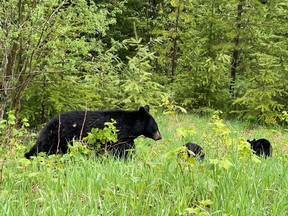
[197, 55]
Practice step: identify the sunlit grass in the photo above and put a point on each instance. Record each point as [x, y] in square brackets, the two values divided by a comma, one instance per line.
[156, 181]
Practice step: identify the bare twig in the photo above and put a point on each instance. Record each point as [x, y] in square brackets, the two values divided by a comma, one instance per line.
[59, 137]
[82, 128]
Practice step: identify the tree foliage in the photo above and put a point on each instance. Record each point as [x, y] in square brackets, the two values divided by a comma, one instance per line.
[200, 54]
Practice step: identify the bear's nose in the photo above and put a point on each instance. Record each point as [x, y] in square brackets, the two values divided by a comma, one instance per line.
[157, 136]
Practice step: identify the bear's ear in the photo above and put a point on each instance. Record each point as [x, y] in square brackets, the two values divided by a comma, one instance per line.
[144, 110]
[147, 108]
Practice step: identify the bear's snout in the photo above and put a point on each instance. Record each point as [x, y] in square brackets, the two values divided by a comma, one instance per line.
[157, 136]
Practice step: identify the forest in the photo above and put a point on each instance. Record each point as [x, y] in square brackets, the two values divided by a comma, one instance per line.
[177, 55]
[213, 72]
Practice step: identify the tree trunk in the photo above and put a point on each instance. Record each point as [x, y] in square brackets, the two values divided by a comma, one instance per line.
[175, 38]
[4, 98]
[236, 52]
[14, 64]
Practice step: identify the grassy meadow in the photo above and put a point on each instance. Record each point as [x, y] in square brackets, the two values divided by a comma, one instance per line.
[159, 180]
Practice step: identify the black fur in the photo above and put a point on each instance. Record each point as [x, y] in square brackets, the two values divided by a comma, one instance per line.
[261, 147]
[76, 125]
[263, 1]
[196, 149]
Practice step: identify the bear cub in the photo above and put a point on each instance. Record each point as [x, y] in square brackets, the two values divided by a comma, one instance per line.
[261, 147]
[196, 149]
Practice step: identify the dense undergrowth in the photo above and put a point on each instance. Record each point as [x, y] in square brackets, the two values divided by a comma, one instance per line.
[230, 180]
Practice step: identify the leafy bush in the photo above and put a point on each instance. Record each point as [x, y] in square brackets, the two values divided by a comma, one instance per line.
[99, 139]
[12, 136]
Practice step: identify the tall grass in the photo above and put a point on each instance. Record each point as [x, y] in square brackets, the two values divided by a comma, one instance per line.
[230, 180]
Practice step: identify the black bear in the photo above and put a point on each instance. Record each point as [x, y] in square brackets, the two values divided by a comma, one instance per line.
[261, 147]
[65, 127]
[263, 1]
[196, 149]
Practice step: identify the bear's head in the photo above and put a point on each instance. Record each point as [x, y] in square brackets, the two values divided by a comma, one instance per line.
[253, 145]
[150, 126]
[257, 146]
[252, 142]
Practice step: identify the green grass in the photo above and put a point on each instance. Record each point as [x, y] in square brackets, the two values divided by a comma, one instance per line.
[230, 181]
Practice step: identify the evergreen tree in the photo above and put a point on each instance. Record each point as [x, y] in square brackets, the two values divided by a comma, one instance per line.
[262, 84]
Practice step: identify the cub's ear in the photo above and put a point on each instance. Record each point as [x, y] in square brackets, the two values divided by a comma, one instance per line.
[147, 108]
[144, 110]
[251, 141]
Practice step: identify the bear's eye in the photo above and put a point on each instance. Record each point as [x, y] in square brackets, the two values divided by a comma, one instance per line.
[154, 129]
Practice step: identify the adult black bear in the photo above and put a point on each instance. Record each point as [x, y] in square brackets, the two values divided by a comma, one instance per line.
[65, 127]
[261, 147]
[196, 149]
